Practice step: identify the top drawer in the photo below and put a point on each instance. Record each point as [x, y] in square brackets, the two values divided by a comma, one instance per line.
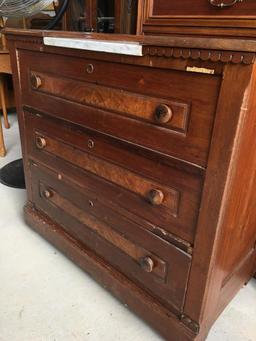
[165, 110]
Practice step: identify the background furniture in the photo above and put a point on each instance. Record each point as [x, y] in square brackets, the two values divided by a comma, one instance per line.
[12, 174]
[102, 16]
[5, 67]
[142, 162]
[2, 145]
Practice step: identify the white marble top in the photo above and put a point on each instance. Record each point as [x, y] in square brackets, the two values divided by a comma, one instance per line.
[126, 48]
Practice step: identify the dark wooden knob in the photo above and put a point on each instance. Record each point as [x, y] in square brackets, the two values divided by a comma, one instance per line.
[41, 142]
[163, 113]
[155, 197]
[147, 264]
[35, 81]
[47, 193]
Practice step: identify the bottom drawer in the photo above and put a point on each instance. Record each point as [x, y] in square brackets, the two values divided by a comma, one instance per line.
[152, 263]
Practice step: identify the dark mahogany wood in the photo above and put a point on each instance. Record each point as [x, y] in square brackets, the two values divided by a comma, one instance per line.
[124, 289]
[120, 99]
[142, 169]
[119, 175]
[200, 17]
[114, 238]
[234, 8]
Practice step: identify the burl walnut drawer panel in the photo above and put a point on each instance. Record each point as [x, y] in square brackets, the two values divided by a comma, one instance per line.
[173, 111]
[161, 8]
[163, 196]
[152, 263]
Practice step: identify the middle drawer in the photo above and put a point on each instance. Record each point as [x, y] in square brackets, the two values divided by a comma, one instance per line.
[165, 198]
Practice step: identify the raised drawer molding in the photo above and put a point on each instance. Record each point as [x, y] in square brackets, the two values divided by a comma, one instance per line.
[139, 155]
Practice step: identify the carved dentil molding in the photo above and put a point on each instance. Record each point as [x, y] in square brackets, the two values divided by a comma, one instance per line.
[205, 55]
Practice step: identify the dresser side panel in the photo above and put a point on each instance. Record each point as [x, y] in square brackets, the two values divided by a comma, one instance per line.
[237, 240]
[204, 284]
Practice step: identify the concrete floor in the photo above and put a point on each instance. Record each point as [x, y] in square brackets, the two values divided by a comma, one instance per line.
[45, 297]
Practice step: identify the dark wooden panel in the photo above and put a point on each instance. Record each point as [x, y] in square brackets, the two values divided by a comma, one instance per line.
[123, 177]
[202, 7]
[190, 137]
[228, 211]
[199, 18]
[148, 260]
[171, 115]
[124, 289]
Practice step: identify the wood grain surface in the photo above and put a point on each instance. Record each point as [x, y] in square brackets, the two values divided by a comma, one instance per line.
[142, 169]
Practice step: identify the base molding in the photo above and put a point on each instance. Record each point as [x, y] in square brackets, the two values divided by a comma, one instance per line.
[167, 324]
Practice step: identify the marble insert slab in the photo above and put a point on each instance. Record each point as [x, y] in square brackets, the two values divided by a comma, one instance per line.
[126, 48]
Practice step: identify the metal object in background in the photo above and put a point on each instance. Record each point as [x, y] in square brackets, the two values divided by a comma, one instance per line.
[22, 8]
[13, 173]
[224, 4]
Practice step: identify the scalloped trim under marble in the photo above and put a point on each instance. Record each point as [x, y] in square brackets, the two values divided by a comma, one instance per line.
[205, 55]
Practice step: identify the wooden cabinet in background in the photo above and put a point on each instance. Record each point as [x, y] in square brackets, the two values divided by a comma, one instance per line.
[112, 16]
[199, 17]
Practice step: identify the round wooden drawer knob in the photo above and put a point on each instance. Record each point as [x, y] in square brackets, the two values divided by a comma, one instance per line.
[156, 197]
[47, 193]
[40, 142]
[35, 81]
[163, 113]
[147, 264]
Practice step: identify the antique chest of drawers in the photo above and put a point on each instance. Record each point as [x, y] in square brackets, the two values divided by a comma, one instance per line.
[141, 166]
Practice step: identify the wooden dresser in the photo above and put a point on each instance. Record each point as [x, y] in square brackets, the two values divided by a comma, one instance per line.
[140, 156]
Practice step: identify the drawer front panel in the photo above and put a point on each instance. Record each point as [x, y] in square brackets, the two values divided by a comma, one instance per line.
[152, 263]
[130, 180]
[172, 110]
[163, 8]
[172, 115]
